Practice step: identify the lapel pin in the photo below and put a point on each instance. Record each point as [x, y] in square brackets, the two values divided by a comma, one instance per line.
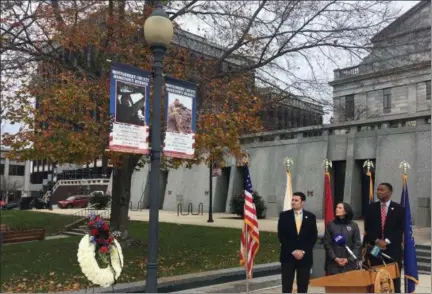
[392, 208]
[306, 216]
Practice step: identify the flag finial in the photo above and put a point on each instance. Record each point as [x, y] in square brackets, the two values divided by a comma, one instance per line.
[404, 165]
[327, 164]
[368, 164]
[244, 157]
[288, 162]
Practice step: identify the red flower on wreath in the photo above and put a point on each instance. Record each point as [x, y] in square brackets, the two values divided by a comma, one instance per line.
[106, 227]
[94, 232]
[103, 249]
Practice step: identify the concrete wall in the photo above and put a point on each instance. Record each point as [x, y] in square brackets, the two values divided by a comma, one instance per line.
[387, 141]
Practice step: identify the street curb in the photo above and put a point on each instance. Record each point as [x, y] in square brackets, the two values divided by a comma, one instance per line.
[271, 281]
[191, 281]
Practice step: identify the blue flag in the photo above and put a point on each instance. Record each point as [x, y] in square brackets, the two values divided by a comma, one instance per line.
[410, 258]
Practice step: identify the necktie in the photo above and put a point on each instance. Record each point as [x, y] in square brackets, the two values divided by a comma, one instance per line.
[298, 221]
[383, 218]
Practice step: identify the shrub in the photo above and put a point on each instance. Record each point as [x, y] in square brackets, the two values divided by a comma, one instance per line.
[101, 200]
[237, 205]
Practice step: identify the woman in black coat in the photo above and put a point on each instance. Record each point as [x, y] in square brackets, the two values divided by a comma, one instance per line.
[340, 232]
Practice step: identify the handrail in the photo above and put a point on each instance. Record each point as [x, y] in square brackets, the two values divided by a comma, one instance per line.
[83, 182]
[80, 216]
[84, 213]
[86, 208]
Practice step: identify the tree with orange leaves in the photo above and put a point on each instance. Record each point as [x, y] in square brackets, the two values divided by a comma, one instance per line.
[54, 53]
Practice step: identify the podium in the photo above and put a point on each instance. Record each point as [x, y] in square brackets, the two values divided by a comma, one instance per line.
[360, 281]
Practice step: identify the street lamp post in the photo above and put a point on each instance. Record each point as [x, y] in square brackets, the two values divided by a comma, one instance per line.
[158, 32]
[210, 216]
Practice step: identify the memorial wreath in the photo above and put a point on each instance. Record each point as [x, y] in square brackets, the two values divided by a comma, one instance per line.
[99, 253]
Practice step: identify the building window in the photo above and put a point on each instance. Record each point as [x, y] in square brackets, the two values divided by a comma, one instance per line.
[16, 170]
[349, 107]
[387, 99]
[428, 90]
[2, 169]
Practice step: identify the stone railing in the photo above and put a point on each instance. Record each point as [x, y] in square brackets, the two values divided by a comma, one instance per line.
[346, 72]
[412, 60]
[396, 121]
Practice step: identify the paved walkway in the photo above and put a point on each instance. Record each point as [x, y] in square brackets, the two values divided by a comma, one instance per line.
[233, 287]
[424, 286]
[422, 235]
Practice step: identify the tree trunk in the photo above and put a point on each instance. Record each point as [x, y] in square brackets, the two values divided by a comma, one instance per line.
[121, 194]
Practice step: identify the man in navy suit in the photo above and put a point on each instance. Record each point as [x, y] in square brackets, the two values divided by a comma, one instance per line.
[298, 233]
[384, 227]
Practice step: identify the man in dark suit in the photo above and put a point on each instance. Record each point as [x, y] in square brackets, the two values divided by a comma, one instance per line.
[298, 233]
[384, 227]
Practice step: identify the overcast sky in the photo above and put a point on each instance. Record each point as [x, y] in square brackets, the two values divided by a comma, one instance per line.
[326, 72]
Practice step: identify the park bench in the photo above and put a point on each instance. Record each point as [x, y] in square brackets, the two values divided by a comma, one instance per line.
[4, 227]
[23, 236]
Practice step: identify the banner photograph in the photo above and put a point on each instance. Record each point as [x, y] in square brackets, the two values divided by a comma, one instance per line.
[129, 107]
[180, 119]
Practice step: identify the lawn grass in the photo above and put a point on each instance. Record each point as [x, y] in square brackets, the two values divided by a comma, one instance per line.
[29, 219]
[52, 265]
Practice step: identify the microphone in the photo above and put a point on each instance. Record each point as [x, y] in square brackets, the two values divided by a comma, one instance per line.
[340, 240]
[351, 253]
[375, 251]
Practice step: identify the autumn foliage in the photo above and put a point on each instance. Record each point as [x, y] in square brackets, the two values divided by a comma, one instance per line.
[71, 121]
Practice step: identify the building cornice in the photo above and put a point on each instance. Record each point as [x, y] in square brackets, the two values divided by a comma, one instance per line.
[376, 74]
[400, 19]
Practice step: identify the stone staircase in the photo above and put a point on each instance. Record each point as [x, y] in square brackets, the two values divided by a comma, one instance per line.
[423, 253]
[79, 227]
[80, 230]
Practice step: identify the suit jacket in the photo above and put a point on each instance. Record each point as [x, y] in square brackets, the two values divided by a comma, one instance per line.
[290, 240]
[393, 227]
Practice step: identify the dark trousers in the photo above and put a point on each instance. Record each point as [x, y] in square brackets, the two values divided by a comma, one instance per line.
[288, 271]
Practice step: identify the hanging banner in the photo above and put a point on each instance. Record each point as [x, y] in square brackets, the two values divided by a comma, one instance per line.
[180, 119]
[129, 108]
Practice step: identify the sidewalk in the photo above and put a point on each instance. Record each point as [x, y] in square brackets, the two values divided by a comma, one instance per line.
[239, 286]
[423, 287]
[421, 235]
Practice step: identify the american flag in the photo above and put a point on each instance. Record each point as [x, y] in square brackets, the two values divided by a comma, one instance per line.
[250, 227]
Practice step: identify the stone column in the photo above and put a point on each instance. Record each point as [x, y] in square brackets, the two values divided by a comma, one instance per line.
[26, 188]
[6, 168]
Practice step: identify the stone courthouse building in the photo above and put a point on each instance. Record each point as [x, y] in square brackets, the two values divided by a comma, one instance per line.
[396, 76]
[382, 114]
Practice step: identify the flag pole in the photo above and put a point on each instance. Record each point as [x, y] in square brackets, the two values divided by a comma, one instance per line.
[247, 258]
[404, 165]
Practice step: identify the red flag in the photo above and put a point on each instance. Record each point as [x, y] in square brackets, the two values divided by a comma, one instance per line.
[328, 200]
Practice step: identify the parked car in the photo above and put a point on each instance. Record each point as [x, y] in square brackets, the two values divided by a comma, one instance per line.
[74, 201]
